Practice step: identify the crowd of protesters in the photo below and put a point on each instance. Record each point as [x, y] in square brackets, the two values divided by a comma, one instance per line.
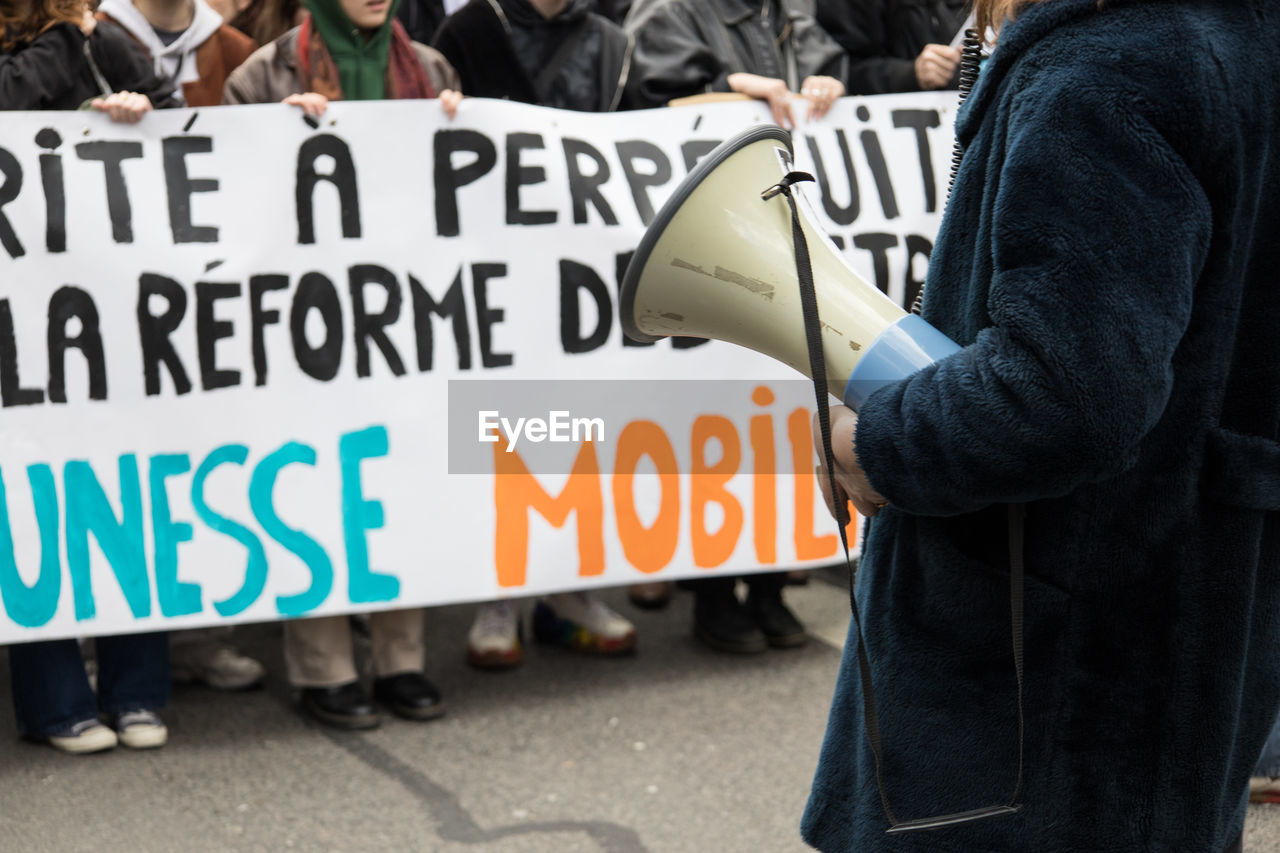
[127, 57]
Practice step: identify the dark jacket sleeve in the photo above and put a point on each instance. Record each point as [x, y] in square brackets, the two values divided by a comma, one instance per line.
[127, 66]
[672, 58]
[616, 48]
[459, 39]
[42, 72]
[1099, 232]
[474, 42]
[816, 51]
[861, 28]
[439, 70]
[257, 79]
[453, 49]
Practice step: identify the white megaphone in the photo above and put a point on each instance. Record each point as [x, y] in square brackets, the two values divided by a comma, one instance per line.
[719, 261]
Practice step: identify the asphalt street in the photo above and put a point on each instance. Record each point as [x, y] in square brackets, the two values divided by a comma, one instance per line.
[675, 749]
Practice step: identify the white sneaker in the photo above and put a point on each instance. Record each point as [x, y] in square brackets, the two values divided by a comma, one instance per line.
[494, 639]
[84, 737]
[218, 665]
[583, 622]
[141, 729]
[1264, 789]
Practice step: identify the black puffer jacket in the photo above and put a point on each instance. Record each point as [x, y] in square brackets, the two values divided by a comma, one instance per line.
[884, 37]
[52, 72]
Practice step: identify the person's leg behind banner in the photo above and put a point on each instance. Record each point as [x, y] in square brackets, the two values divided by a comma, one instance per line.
[52, 699]
[582, 622]
[719, 619]
[398, 655]
[781, 628]
[133, 685]
[320, 663]
[494, 641]
[209, 656]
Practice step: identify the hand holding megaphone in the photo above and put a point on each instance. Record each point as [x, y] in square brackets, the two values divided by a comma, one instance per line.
[851, 481]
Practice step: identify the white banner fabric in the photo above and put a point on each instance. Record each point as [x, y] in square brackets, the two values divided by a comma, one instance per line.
[227, 340]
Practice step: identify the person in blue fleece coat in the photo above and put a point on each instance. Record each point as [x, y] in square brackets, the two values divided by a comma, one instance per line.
[1110, 264]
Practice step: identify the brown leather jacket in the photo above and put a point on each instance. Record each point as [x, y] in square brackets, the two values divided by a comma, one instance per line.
[221, 54]
[271, 74]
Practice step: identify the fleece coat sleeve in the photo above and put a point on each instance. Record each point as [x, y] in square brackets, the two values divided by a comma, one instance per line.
[1098, 233]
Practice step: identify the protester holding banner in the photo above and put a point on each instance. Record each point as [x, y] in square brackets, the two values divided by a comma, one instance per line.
[188, 42]
[343, 51]
[771, 51]
[1109, 433]
[897, 45]
[44, 65]
[553, 53]
[192, 48]
[350, 50]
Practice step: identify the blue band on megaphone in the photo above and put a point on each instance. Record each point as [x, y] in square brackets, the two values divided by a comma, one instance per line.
[908, 345]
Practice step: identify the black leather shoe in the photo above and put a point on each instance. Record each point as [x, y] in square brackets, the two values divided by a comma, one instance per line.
[346, 706]
[409, 695]
[779, 625]
[720, 621]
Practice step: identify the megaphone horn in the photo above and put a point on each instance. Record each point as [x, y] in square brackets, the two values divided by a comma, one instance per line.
[719, 262]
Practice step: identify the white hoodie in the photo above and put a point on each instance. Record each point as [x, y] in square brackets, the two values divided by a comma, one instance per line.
[176, 62]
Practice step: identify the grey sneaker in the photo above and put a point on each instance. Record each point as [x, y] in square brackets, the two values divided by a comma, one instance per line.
[141, 729]
[83, 737]
[219, 665]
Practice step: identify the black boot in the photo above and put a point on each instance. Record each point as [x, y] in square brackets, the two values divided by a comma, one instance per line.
[720, 622]
[346, 706]
[409, 695]
[780, 626]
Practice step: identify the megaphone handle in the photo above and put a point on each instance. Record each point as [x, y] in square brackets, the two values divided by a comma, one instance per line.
[818, 370]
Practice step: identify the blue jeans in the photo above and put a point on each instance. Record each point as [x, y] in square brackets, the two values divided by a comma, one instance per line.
[51, 691]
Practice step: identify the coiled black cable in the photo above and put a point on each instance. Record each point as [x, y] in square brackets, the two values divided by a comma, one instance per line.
[970, 65]
[971, 57]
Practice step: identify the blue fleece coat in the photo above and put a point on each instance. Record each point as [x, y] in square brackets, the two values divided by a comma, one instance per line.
[1110, 261]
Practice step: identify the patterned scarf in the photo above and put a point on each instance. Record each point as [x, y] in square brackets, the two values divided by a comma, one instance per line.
[404, 78]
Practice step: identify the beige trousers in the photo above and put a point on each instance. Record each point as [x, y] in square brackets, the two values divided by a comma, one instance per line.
[318, 652]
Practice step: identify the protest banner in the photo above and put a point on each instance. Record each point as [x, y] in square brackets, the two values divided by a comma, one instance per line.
[256, 367]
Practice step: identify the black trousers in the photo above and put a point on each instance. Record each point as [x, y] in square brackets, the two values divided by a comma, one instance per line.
[1236, 846]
